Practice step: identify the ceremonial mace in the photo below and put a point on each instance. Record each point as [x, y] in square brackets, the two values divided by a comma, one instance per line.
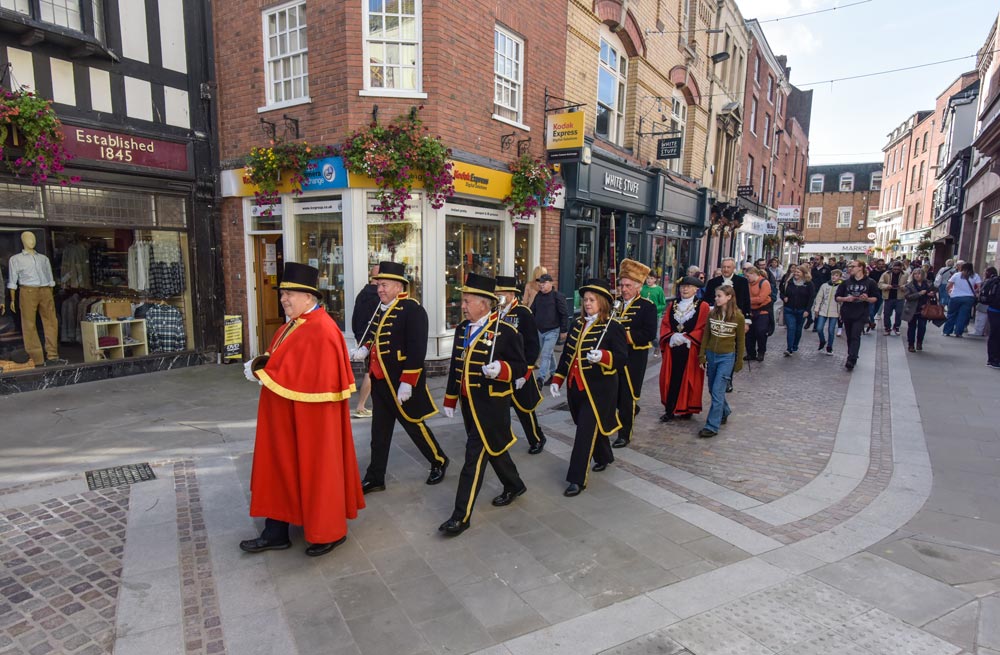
[614, 310]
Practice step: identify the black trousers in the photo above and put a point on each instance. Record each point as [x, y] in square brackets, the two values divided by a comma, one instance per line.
[385, 413]
[678, 363]
[993, 343]
[756, 341]
[589, 443]
[532, 430]
[470, 480]
[853, 329]
[275, 531]
[626, 408]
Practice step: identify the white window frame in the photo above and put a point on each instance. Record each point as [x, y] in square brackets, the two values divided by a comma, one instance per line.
[753, 115]
[844, 216]
[849, 179]
[813, 179]
[270, 102]
[763, 184]
[678, 123]
[767, 130]
[616, 121]
[770, 89]
[876, 182]
[777, 111]
[749, 169]
[818, 213]
[418, 41]
[515, 82]
[756, 69]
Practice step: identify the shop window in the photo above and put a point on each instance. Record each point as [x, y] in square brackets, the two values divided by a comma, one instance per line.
[522, 251]
[394, 240]
[286, 55]
[612, 76]
[815, 217]
[844, 215]
[508, 61]
[392, 45]
[63, 13]
[320, 244]
[471, 246]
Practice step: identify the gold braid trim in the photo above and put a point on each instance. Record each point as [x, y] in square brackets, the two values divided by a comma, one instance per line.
[302, 397]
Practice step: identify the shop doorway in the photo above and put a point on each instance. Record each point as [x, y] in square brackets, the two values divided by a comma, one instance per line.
[268, 265]
[583, 267]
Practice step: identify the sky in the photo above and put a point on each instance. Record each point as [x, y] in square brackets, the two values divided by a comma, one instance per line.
[851, 119]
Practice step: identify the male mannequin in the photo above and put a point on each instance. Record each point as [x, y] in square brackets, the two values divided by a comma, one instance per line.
[32, 273]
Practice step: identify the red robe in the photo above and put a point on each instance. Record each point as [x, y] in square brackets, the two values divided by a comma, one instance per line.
[689, 396]
[305, 470]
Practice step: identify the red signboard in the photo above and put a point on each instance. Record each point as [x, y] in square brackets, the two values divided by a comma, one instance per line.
[117, 148]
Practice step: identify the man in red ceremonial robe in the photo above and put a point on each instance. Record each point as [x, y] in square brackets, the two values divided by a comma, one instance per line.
[305, 471]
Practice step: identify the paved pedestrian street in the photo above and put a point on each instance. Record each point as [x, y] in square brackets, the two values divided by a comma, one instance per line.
[836, 513]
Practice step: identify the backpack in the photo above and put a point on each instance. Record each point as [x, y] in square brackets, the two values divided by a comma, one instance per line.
[990, 293]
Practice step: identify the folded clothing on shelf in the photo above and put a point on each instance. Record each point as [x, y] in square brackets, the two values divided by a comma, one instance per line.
[94, 317]
[105, 342]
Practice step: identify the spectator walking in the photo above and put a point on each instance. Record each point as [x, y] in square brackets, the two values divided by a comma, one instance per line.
[797, 296]
[941, 281]
[981, 325]
[681, 333]
[827, 311]
[549, 308]
[963, 287]
[891, 284]
[365, 306]
[653, 292]
[990, 295]
[875, 274]
[531, 287]
[774, 268]
[917, 292]
[761, 308]
[855, 294]
[721, 356]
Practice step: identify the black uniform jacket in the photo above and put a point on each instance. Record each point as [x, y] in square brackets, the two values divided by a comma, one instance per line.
[600, 381]
[521, 319]
[638, 317]
[488, 400]
[741, 288]
[398, 344]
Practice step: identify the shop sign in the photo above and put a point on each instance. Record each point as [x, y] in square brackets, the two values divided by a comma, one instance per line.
[789, 214]
[453, 209]
[991, 246]
[330, 206]
[668, 148]
[481, 181]
[621, 184]
[233, 337]
[744, 191]
[771, 227]
[836, 248]
[564, 131]
[326, 173]
[753, 225]
[871, 236]
[117, 148]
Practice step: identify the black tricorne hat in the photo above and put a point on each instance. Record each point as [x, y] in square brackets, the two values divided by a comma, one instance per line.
[480, 285]
[391, 271]
[300, 277]
[599, 286]
[690, 281]
[507, 283]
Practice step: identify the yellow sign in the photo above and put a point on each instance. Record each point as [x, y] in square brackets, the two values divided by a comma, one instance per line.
[481, 181]
[233, 337]
[564, 131]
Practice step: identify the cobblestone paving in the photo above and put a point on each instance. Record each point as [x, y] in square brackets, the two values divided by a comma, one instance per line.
[755, 454]
[62, 563]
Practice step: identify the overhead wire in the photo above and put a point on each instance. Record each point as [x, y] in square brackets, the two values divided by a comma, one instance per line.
[767, 20]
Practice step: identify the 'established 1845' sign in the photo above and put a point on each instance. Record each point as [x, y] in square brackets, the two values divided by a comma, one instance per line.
[117, 148]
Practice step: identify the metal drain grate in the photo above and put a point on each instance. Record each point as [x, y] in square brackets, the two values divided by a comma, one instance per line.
[117, 476]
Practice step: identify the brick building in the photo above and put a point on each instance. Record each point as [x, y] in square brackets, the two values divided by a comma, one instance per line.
[839, 201]
[318, 70]
[896, 168]
[981, 212]
[774, 149]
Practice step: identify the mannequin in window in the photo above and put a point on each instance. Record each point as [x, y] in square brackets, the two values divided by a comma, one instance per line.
[31, 273]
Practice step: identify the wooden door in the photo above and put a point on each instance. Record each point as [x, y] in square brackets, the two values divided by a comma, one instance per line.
[268, 264]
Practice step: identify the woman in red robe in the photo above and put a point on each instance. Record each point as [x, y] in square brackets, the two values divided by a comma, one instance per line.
[305, 471]
[681, 378]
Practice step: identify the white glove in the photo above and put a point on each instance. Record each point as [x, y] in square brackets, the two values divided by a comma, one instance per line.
[404, 392]
[248, 372]
[594, 356]
[491, 370]
[449, 412]
[676, 339]
[518, 383]
[554, 390]
[359, 353]
[687, 342]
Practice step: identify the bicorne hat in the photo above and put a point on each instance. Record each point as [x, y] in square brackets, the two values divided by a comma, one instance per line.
[598, 286]
[633, 270]
[391, 271]
[507, 283]
[300, 277]
[480, 285]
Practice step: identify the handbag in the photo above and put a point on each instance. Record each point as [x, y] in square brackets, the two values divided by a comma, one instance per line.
[933, 311]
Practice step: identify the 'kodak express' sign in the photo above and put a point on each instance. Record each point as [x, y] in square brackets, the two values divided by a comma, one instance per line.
[564, 131]
[480, 181]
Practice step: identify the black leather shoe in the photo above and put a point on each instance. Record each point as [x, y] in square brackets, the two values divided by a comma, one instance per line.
[729, 388]
[725, 419]
[683, 417]
[259, 545]
[437, 473]
[316, 550]
[597, 468]
[620, 442]
[666, 418]
[537, 448]
[705, 433]
[507, 497]
[573, 490]
[369, 486]
[453, 527]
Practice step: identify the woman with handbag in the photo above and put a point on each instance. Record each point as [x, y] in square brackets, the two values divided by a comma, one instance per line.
[918, 292]
[963, 287]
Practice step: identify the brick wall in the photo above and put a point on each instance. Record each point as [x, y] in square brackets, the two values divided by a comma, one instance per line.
[831, 202]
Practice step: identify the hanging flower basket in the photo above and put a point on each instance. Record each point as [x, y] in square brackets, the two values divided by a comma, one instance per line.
[265, 166]
[794, 239]
[38, 132]
[533, 185]
[393, 155]
[771, 240]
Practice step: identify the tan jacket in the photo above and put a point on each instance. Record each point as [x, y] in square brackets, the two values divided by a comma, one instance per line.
[885, 284]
